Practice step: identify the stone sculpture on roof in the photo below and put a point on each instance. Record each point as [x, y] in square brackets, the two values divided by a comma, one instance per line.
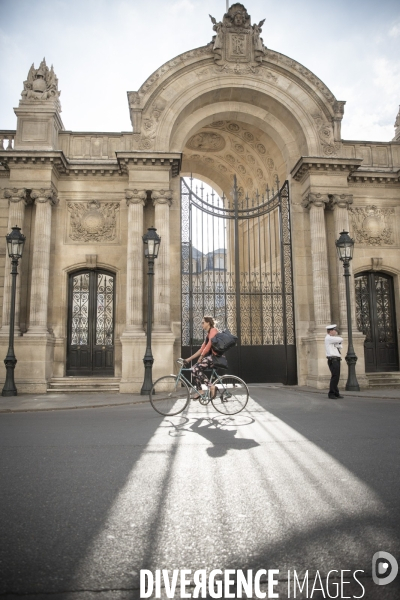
[41, 84]
[236, 40]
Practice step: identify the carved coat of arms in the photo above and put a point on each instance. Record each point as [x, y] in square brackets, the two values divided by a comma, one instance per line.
[93, 221]
[373, 225]
[236, 40]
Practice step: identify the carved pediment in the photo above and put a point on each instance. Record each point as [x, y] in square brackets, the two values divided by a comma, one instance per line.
[236, 40]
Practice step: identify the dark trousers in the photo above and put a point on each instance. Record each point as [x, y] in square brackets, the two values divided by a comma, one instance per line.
[334, 367]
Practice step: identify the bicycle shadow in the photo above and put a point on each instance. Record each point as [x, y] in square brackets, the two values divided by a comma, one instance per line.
[221, 439]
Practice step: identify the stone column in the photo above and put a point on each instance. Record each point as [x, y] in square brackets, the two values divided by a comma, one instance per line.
[16, 202]
[319, 256]
[44, 199]
[162, 200]
[340, 206]
[135, 200]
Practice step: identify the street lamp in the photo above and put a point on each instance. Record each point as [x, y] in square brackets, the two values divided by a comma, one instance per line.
[345, 247]
[151, 246]
[15, 246]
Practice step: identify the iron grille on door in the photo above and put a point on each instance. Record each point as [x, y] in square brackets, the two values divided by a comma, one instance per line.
[237, 266]
[91, 324]
[376, 319]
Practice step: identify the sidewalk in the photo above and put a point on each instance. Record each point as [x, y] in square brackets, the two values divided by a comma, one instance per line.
[59, 401]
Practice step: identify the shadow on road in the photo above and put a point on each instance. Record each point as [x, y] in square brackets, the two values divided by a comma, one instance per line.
[222, 440]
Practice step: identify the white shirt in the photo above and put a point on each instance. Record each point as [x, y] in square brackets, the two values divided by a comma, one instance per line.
[333, 343]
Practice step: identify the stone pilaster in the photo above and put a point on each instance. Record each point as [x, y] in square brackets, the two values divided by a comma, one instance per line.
[135, 200]
[340, 205]
[162, 200]
[16, 212]
[319, 256]
[44, 199]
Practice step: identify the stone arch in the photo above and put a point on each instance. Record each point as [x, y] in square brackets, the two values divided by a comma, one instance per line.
[281, 97]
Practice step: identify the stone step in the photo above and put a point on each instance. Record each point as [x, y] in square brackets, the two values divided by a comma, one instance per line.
[83, 384]
[384, 379]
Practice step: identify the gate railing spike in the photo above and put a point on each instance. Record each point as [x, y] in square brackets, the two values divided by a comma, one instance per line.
[277, 182]
[267, 190]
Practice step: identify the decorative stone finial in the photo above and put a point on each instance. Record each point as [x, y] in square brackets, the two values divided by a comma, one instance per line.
[236, 40]
[397, 125]
[41, 85]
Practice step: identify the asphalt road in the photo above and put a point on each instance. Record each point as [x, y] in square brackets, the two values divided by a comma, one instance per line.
[89, 498]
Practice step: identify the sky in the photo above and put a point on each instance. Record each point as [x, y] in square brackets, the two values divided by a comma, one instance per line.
[101, 49]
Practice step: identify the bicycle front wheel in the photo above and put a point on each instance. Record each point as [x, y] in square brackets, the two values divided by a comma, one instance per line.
[232, 395]
[169, 396]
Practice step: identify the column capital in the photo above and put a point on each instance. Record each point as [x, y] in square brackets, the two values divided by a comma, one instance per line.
[161, 197]
[317, 200]
[15, 195]
[340, 201]
[44, 195]
[135, 197]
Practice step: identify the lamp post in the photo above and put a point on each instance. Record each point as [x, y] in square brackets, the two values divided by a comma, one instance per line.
[151, 242]
[345, 247]
[15, 246]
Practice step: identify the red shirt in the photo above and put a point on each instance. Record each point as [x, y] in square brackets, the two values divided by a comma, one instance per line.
[206, 347]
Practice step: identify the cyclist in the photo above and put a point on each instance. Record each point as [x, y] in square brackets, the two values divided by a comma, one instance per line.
[204, 356]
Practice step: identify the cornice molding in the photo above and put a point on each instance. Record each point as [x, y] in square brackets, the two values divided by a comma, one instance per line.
[106, 167]
[315, 164]
[375, 177]
[153, 159]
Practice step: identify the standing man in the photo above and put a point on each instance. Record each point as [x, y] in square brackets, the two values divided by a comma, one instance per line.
[333, 345]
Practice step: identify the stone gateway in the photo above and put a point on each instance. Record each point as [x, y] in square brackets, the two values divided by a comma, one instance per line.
[232, 110]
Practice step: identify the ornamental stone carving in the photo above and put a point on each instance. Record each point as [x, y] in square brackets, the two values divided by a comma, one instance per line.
[340, 200]
[317, 200]
[150, 124]
[206, 142]
[326, 136]
[93, 221]
[373, 226]
[397, 126]
[41, 196]
[41, 84]
[162, 197]
[15, 194]
[135, 197]
[236, 40]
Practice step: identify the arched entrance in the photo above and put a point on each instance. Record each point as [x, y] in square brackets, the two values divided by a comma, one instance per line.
[256, 118]
[91, 301]
[376, 318]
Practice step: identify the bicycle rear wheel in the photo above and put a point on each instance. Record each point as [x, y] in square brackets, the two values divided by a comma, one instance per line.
[169, 396]
[232, 395]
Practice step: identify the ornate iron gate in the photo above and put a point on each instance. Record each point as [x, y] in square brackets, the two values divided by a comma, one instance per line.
[237, 266]
[376, 319]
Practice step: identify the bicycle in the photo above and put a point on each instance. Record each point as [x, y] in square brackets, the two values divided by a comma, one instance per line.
[170, 394]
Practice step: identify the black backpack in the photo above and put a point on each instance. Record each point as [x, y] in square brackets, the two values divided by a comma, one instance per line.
[223, 341]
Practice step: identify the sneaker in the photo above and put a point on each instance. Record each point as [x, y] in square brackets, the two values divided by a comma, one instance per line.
[333, 397]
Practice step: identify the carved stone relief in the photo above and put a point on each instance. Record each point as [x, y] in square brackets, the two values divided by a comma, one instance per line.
[236, 40]
[150, 124]
[325, 134]
[41, 84]
[93, 221]
[373, 226]
[206, 142]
